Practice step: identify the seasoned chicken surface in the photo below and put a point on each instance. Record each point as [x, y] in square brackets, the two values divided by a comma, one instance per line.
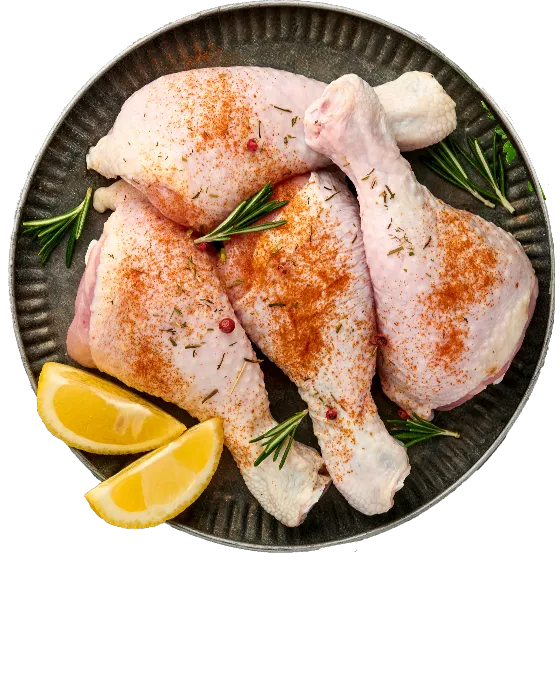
[454, 294]
[303, 294]
[148, 312]
[197, 143]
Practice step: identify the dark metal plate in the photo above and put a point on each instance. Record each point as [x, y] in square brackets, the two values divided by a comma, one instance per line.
[322, 42]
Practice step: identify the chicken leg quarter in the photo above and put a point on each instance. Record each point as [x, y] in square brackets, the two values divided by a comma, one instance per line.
[197, 143]
[454, 293]
[303, 294]
[148, 312]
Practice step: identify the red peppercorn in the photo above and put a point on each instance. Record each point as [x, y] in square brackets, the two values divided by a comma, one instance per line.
[379, 339]
[403, 414]
[331, 414]
[202, 246]
[227, 325]
[252, 144]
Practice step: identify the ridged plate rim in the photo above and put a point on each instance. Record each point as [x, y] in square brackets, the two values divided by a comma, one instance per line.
[423, 43]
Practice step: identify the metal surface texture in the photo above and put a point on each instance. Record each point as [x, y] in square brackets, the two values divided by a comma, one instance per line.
[323, 42]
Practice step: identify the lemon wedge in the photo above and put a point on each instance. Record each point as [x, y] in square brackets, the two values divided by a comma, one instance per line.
[98, 416]
[161, 484]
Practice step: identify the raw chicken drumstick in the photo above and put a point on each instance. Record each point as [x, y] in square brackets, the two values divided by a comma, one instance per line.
[197, 143]
[150, 311]
[303, 294]
[453, 293]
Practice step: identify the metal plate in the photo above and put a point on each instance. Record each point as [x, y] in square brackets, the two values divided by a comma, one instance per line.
[323, 42]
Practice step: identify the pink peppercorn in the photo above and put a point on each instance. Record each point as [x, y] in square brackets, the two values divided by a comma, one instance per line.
[403, 414]
[252, 144]
[227, 325]
[202, 246]
[331, 414]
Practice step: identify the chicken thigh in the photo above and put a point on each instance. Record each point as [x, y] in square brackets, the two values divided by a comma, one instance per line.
[304, 296]
[150, 311]
[454, 293]
[197, 143]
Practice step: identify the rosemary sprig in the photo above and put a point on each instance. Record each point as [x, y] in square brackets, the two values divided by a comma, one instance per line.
[281, 436]
[414, 429]
[51, 231]
[445, 160]
[242, 219]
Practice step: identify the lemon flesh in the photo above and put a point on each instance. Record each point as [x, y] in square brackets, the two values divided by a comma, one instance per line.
[97, 416]
[161, 484]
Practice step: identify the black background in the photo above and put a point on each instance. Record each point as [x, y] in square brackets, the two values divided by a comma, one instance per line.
[490, 517]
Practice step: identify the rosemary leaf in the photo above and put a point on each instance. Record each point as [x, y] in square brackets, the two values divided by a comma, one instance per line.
[444, 159]
[210, 395]
[366, 177]
[287, 450]
[238, 377]
[415, 429]
[243, 218]
[50, 231]
[276, 429]
[278, 437]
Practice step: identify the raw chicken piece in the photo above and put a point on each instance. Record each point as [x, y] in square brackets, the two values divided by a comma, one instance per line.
[155, 307]
[197, 143]
[77, 341]
[454, 293]
[304, 296]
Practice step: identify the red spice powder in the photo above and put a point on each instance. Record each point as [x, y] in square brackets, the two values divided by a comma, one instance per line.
[212, 116]
[305, 307]
[144, 289]
[467, 276]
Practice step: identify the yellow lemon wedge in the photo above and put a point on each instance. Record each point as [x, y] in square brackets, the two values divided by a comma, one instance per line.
[98, 416]
[161, 484]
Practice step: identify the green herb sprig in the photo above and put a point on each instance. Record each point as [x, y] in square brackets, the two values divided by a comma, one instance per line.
[414, 429]
[242, 219]
[278, 437]
[445, 160]
[51, 231]
[532, 189]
